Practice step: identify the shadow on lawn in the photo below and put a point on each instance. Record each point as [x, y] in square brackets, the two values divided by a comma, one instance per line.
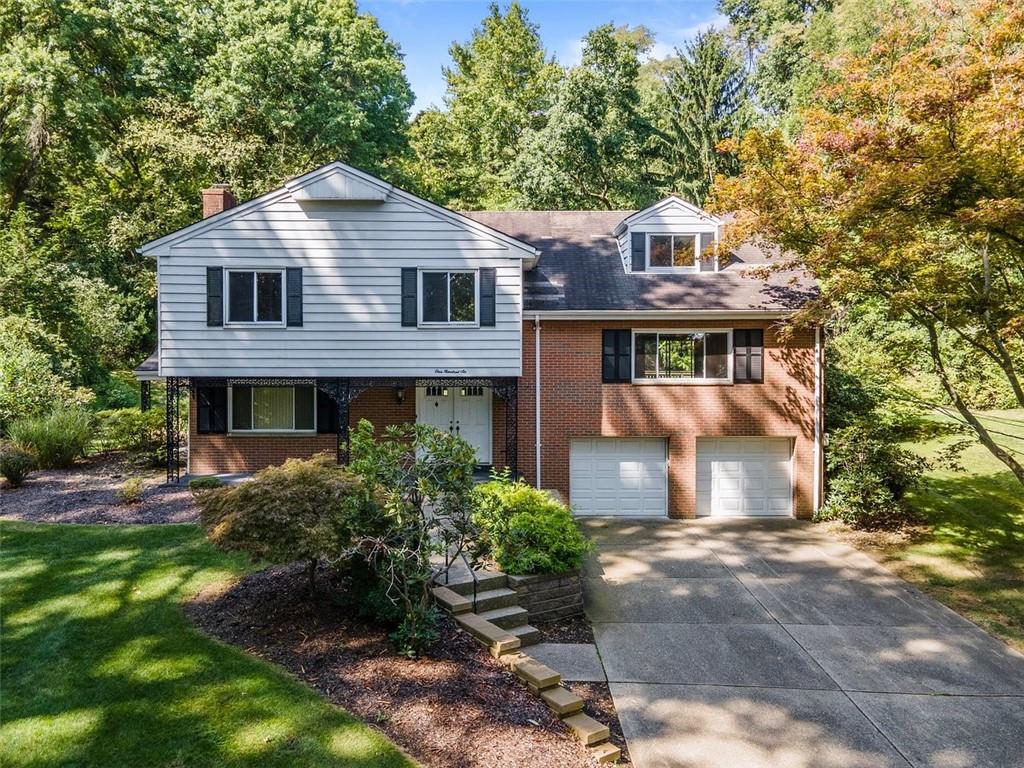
[100, 667]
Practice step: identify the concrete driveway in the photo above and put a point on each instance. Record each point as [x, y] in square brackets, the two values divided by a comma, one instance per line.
[747, 644]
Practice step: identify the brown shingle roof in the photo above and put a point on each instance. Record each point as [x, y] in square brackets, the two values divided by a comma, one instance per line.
[580, 268]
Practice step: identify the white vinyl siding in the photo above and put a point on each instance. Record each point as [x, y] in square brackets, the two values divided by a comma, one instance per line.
[618, 476]
[744, 476]
[351, 255]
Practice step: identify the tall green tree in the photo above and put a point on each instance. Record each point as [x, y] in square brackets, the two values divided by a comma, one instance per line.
[114, 113]
[498, 87]
[596, 148]
[775, 34]
[708, 103]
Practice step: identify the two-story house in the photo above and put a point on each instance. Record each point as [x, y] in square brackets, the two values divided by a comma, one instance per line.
[609, 355]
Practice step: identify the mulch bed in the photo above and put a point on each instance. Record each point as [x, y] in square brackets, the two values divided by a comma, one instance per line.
[575, 629]
[455, 707]
[86, 493]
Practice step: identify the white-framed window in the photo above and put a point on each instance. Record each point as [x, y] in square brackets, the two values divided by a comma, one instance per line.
[271, 409]
[682, 356]
[449, 297]
[673, 252]
[255, 297]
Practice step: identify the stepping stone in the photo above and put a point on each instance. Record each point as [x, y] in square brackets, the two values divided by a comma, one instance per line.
[587, 729]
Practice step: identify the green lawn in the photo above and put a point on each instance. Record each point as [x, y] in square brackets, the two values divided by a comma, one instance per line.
[970, 552]
[100, 667]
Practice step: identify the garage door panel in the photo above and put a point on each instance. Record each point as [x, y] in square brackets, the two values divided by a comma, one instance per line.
[618, 476]
[744, 476]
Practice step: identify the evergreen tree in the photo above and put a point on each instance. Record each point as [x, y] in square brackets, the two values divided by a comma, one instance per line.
[708, 103]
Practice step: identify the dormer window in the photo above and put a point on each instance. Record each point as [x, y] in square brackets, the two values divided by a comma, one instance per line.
[672, 252]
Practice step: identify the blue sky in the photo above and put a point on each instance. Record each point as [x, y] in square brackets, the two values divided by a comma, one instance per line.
[426, 28]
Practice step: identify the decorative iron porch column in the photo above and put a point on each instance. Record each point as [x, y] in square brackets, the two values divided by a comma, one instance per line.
[172, 425]
[508, 391]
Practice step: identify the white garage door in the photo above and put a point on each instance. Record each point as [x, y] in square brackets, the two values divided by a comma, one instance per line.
[618, 476]
[744, 476]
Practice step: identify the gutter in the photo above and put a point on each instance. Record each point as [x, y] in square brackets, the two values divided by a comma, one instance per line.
[536, 396]
[663, 314]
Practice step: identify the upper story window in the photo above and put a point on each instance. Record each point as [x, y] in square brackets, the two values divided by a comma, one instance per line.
[449, 297]
[273, 409]
[675, 252]
[681, 356]
[255, 296]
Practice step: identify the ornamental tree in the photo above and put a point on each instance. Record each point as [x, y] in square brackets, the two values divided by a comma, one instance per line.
[905, 186]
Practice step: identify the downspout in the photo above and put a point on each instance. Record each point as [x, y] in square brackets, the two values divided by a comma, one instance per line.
[817, 418]
[536, 396]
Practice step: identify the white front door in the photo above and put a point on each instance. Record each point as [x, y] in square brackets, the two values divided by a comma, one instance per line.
[744, 476]
[618, 476]
[461, 410]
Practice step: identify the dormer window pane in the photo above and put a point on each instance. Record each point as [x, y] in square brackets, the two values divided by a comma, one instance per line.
[661, 250]
[683, 249]
[672, 251]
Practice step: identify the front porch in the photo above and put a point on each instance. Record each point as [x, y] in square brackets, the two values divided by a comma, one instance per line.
[202, 438]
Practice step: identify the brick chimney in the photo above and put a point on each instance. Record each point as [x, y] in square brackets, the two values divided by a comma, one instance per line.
[216, 199]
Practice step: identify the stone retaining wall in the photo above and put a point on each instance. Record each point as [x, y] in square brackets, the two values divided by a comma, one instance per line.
[548, 597]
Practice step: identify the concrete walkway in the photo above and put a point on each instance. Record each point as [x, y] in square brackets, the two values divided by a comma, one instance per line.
[749, 644]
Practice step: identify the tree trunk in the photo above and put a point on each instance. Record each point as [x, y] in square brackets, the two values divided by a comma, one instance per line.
[311, 574]
[961, 407]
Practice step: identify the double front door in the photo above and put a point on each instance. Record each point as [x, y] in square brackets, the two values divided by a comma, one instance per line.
[463, 410]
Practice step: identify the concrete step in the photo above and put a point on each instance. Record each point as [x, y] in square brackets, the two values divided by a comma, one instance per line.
[538, 677]
[527, 635]
[587, 729]
[463, 584]
[450, 601]
[508, 617]
[605, 753]
[490, 599]
[497, 640]
[561, 701]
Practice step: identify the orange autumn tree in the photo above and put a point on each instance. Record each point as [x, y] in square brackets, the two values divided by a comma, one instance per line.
[905, 187]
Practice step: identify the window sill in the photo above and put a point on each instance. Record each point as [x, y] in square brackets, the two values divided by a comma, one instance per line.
[272, 432]
[683, 382]
[448, 325]
[257, 324]
[673, 270]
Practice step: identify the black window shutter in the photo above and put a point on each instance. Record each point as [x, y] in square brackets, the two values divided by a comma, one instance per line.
[748, 354]
[326, 413]
[214, 296]
[616, 351]
[294, 275]
[211, 410]
[488, 281]
[756, 348]
[638, 250]
[409, 296]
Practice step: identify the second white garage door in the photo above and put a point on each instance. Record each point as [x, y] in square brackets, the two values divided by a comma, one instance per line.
[618, 476]
[738, 476]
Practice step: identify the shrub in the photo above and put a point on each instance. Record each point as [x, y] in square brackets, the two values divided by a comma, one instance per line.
[131, 490]
[869, 475]
[393, 543]
[200, 484]
[300, 510]
[55, 440]
[525, 530]
[15, 464]
[132, 430]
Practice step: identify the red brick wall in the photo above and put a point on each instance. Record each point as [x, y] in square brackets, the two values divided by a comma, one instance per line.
[209, 454]
[575, 403]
